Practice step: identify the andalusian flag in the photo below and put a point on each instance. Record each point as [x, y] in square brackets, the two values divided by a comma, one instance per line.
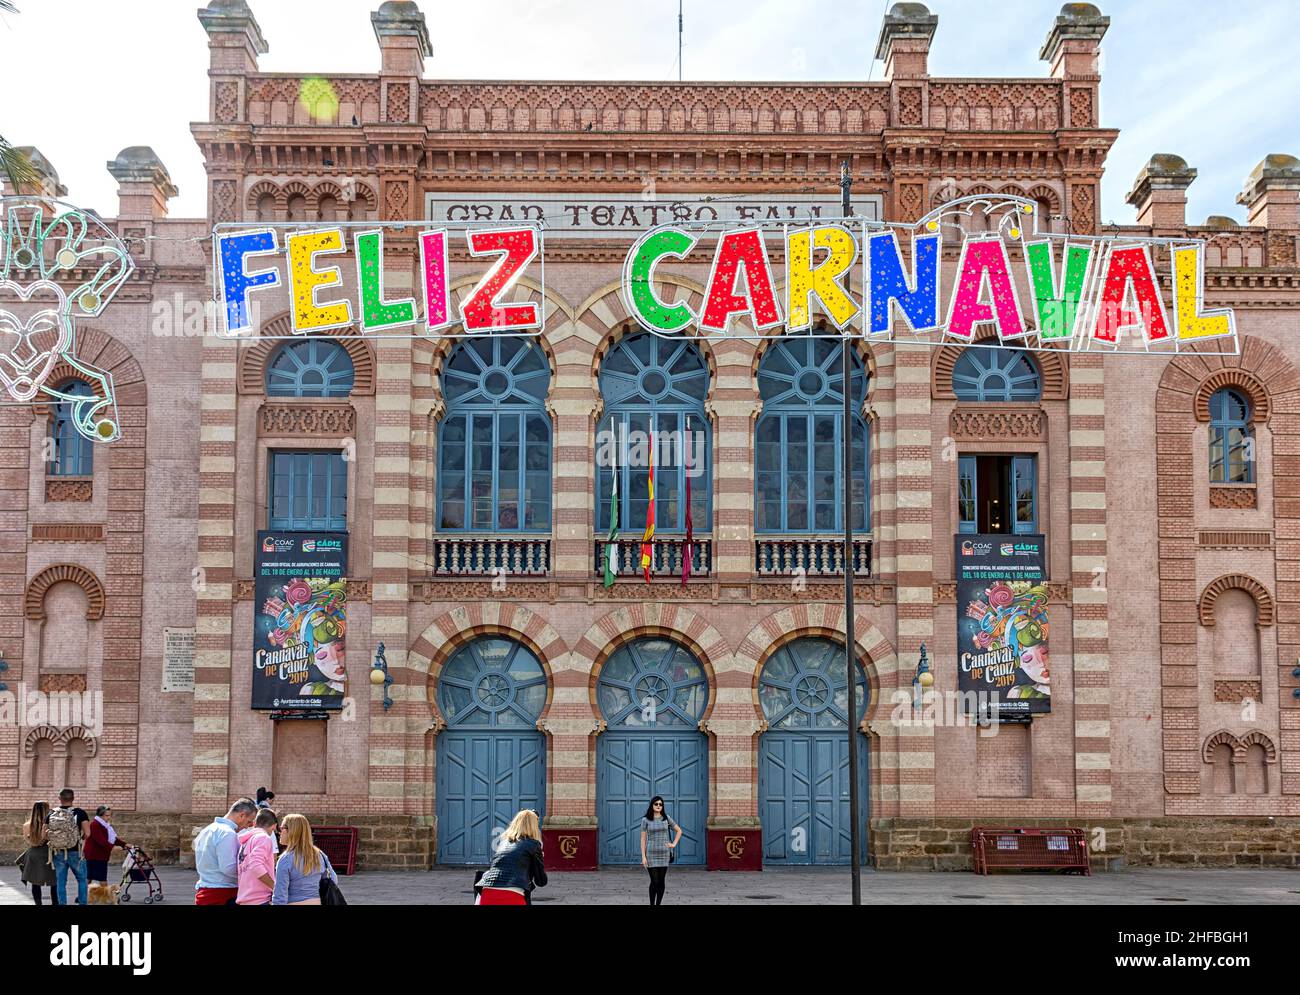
[648, 540]
[611, 544]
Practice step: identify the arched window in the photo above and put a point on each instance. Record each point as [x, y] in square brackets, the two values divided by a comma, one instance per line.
[798, 485]
[313, 367]
[1232, 439]
[804, 686]
[996, 374]
[654, 384]
[653, 682]
[73, 454]
[492, 681]
[494, 444]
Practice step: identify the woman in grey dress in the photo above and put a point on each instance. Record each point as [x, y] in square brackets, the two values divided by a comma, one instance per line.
[656, 847]
[37, 869]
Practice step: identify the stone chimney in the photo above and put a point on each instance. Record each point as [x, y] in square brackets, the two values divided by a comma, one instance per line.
[1074, 42]
[143, 186]
[1270, 195]
[47, 184]
[403, 38]
[234, 38]
[1160, 194]
[904, 43]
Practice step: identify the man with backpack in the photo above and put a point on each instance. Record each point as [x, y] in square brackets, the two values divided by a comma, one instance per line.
[68, 828]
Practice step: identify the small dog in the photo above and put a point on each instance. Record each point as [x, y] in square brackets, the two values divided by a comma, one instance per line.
[101, 893]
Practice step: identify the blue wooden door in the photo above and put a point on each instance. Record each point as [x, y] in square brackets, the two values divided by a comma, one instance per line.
[804, 755]
[804, 797]
[484, 778]
[652, 693]
[634, 767]
[491, 758]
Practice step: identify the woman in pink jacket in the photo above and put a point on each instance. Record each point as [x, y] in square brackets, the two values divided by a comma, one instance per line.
[256, 860]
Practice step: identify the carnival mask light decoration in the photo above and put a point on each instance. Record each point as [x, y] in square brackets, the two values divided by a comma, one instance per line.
[53, 273]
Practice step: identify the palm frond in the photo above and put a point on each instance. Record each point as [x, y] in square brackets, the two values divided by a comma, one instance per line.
[16, 166]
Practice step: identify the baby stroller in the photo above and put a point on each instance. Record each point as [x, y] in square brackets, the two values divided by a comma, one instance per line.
[137, 867]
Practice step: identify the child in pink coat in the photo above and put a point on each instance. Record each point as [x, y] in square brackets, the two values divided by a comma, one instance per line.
[256, 860]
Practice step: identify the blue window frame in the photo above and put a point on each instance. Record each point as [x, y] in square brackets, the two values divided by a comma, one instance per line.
[74, 454]
[1232, 439]
[313, 367]
[798, 483]
[1009, 493]
[309, 491]
[494, 444]
[650, 383]
[996, 374]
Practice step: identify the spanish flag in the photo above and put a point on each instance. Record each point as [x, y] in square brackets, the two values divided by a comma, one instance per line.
[648, 540]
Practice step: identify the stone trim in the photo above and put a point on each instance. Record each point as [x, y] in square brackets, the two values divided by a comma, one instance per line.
[1263, 600]
[34, 601]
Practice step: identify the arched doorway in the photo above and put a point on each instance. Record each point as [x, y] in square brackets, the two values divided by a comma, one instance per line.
[804, 755]
[652, 693]
[491, 758]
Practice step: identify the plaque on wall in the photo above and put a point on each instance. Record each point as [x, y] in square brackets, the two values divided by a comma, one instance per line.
[178, 660]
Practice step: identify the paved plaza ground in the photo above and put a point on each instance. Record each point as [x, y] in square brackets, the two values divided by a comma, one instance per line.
[793, 887]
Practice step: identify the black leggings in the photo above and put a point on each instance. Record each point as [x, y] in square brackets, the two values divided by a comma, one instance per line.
[36, 895]
[657, 877]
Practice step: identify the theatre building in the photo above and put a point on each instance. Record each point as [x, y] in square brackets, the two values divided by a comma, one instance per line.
[464, 473]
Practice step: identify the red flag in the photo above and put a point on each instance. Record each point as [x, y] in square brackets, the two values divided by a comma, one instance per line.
[648, 539]
[688, 547]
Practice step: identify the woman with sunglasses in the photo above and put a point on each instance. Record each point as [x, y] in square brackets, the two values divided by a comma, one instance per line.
[656, 849]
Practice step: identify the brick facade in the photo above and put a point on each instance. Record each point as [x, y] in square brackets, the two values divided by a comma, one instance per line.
[1147, 739]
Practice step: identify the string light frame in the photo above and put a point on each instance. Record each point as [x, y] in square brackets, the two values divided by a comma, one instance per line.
[38, 257]
[1103, 297]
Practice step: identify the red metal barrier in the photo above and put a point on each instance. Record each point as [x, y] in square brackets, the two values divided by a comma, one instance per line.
[1041, 849]
[339, 844]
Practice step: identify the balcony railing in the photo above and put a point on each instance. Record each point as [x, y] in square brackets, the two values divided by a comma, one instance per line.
[667, 561]
[815, 556]
[491, 556]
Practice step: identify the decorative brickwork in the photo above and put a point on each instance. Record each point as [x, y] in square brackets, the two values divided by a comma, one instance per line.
[306, 419]
[253, 358]
[72, 574]
[62, 683]
[69, 489]
[996, 423]
[1237, 691]
[67, 533]
[1233, 497]
[1263, 600]
[1237, 379]
[1184, 381]
[1053, 371]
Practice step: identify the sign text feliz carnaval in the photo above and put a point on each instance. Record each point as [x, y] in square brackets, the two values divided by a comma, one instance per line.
[1101, 290]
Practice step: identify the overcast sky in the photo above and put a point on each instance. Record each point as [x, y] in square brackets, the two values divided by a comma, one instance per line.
[1216, 84]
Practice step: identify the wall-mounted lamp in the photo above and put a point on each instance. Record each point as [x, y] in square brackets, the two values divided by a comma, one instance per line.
[379, 675]
[923, 680]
